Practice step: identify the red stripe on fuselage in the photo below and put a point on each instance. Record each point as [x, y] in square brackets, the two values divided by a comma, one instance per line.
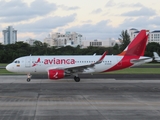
[124, 63]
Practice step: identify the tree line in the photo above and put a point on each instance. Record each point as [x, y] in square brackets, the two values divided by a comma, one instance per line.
[12, 51]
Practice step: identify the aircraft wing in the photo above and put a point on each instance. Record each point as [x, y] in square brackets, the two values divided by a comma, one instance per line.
[80, 68]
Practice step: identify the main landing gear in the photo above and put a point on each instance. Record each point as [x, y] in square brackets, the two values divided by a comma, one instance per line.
[77, 79]
[29, 77]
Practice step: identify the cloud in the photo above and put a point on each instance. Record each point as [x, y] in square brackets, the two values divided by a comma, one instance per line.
[141, 12]
[141, 23]
[100, 30]
[68, 8]
[110, 3]
[17, 10]
[99, 27]
[46, 24]
[15, 19]
[134, 5]
[88, 21]
[155, 21]
[97, 11]
[136, 23]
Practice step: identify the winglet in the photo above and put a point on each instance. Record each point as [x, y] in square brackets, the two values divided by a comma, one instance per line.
[101, 59]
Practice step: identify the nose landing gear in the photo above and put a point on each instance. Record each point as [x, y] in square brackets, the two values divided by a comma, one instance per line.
[29, 77]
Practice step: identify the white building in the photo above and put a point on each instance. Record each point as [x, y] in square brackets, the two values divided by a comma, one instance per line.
[154, 36]
[30, 41]
[69, 38]
[98, 43]
[133, 33]
[10, 35]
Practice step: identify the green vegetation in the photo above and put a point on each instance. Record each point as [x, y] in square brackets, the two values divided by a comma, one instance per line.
[3, 64]
[124, 71]
[137, 71]
[4, 71]
[124, 39]
[10, 52]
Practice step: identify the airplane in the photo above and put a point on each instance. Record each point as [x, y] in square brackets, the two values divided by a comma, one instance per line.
[58, 67]
[156, 56]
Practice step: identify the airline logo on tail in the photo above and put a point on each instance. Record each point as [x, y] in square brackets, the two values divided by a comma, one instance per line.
[134, 51]
[137, 46]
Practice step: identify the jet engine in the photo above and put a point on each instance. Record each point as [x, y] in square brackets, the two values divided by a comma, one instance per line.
[56, 74]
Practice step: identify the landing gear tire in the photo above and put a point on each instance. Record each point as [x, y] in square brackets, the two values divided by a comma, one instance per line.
[77, 79]
[28, 79]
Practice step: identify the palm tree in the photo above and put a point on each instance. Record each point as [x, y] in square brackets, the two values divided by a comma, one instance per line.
[124, 39]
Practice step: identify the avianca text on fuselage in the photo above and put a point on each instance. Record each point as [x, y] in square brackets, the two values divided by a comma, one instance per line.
[59, 61]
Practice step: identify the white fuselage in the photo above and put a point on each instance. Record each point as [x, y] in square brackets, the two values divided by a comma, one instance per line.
[41, 64]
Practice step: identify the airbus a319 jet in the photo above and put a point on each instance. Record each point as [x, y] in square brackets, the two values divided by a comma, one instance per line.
[58, 67]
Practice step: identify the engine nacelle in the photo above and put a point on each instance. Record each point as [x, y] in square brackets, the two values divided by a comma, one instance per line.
[56, 74]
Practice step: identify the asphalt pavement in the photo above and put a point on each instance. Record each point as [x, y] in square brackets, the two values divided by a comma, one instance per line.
[90, 99]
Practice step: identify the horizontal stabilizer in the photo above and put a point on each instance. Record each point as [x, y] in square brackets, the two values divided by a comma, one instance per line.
[140, 60]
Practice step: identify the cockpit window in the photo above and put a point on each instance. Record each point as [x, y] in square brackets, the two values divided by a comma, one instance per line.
[16, 61]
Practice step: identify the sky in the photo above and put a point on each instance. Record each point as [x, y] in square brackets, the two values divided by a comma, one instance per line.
[94, 19]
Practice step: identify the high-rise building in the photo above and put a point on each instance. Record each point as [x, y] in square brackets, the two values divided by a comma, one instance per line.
[10, 35]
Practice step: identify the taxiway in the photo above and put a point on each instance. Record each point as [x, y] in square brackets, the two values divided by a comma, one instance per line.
[90, 99]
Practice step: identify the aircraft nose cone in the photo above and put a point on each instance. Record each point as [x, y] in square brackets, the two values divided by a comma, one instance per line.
[8, 67]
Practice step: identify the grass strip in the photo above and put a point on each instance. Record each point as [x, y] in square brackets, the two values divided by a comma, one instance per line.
[3, 64]
[137, 71]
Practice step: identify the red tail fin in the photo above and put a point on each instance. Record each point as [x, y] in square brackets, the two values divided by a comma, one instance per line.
[137, 46]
